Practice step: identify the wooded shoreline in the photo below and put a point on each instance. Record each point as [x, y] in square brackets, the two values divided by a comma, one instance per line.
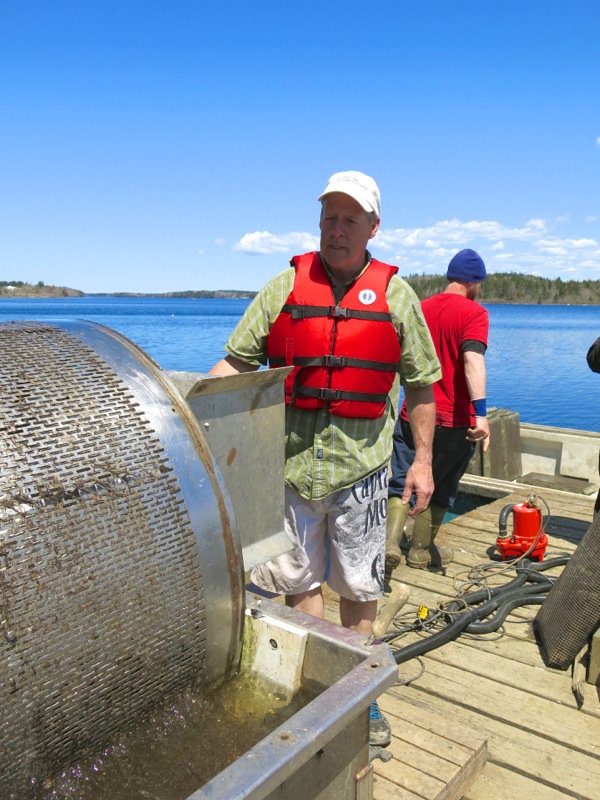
[500, 287]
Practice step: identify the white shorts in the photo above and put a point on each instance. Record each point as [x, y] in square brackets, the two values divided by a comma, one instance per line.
[339, 540]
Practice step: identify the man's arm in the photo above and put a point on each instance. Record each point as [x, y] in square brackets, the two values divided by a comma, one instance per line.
[420, 405]
[476, 377]
[231, 366]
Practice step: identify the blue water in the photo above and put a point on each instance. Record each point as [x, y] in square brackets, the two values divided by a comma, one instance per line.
[536, 358]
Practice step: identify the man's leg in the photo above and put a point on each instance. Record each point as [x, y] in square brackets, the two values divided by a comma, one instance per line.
[403, 455]
[298, 573]
[357, 531]
[451, 455]
[310, 602]
[358, 616]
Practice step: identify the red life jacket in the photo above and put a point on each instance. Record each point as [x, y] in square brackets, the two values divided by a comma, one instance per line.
[345, 356]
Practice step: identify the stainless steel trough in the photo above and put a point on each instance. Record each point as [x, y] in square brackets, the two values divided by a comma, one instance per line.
[323, 750]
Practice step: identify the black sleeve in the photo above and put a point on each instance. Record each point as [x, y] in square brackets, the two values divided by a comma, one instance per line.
[474, 345]
[593, 356]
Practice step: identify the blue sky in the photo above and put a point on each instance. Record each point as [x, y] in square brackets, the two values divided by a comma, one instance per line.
[161, 146]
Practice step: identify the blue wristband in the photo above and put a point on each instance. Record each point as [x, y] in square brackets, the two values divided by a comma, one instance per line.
[480, 407]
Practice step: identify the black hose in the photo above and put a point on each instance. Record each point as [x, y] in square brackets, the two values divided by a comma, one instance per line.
[503, 520]
[542, 566]
[502, 599]
[492, 624]
[470, 598]
[447, 634]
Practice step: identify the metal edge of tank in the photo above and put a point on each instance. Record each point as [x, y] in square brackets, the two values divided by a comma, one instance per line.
[260, 772]
[201, 484]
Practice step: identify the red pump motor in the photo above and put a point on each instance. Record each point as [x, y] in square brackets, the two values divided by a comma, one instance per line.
[528, 532]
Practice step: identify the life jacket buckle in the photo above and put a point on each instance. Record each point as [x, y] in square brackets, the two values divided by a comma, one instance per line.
[338, 311]
[335, 361]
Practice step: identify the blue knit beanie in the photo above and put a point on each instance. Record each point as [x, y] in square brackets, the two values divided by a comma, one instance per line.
[466, 266]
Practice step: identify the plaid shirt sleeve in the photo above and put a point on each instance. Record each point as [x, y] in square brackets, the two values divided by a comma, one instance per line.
[419, 365]
[248, 341]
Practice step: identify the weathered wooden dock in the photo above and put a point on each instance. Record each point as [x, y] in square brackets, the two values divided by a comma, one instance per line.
[482, 717]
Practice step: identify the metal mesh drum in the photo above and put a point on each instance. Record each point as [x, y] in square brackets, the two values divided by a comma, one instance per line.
[121, 577]
[571, 612]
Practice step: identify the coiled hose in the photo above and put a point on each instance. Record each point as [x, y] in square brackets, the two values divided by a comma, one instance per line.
[501, 599]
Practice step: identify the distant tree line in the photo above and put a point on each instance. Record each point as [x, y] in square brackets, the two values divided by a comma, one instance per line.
[500, 287]
[39, 289]
[513, 287]
[224, 293]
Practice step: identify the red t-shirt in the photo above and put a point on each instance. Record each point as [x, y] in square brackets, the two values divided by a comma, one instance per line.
[453, 319]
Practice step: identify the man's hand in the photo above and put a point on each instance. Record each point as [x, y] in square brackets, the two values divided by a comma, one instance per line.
[480, 433]
[419, 479]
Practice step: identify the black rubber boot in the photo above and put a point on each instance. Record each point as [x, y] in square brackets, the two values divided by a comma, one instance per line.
[423, 552]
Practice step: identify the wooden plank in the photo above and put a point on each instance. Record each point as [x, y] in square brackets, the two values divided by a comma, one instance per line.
[541, 682]
[424, 749]
[501, 783]
[569, 726]
[493, 688]
[575, 485]
[408, 778]
[385, 789]
[436, 759]
[484, 487]
[401, 704]
[439, 748]
[511, 744]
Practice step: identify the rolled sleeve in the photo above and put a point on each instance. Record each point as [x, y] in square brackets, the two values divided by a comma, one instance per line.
[248, 341]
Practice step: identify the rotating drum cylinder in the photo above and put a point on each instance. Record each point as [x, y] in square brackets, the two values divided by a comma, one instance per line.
[121, 576]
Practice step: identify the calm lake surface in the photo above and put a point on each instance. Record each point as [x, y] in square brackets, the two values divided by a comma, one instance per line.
[536, 359]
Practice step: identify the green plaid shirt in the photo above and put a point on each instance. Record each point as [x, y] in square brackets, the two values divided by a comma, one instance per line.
[325, 453]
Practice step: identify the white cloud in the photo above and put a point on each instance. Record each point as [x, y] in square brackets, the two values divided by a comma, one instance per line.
[582, 243]
[564, 246]
[457, 233]
[552, 247]
[598, 141]
[531, 248]
[265, 243]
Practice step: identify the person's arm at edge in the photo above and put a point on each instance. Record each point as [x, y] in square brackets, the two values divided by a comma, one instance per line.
[475, 376]
[231, 366]
[593, 356]
[420, 405]
[246, 347]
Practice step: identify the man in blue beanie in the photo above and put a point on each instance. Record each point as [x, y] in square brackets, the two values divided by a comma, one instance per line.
[459, 329]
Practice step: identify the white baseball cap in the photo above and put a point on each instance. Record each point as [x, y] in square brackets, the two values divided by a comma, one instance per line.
[358, 186]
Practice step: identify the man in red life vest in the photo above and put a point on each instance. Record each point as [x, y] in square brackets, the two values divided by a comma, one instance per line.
[349, 327]
[459, 329]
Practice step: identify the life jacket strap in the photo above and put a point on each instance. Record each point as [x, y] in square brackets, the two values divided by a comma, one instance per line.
[337, 312]
[328, 395]
[330, 361]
